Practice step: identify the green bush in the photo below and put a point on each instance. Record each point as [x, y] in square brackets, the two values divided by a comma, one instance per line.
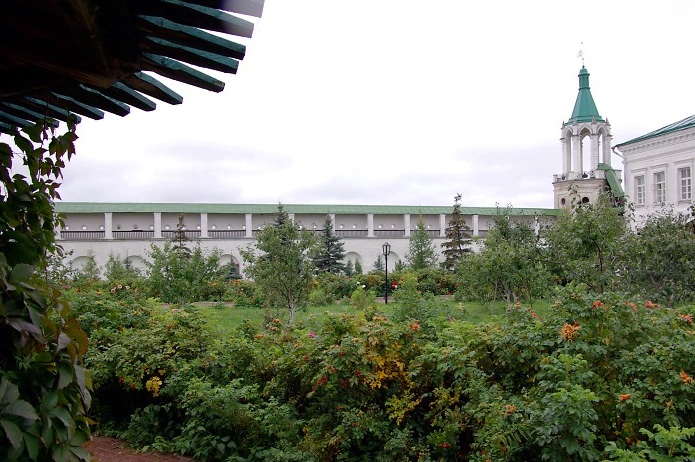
[596, 377]
[241, 292]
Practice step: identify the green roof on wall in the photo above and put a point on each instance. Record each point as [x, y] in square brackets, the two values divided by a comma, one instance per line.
[101, 207]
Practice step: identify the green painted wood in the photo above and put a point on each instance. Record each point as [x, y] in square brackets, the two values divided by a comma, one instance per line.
[178, 71]
[73, 105]
[189, 36]
[16, 121]
[157, 46]
[7, 128]
[95, 98]
[50, 110]
[248, 7]
[150, 86]
[129, 96]
[198, 16]
[93, 67]
[22, 112]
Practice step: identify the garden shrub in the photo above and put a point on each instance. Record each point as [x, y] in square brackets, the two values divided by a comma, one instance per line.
[596, 377]
[241, 292]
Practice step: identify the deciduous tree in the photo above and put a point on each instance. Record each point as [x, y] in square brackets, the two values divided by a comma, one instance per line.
[661, 259]
[586, 244]
[279, 261]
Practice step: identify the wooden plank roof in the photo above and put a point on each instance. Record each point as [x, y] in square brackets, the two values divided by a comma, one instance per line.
[72, 58]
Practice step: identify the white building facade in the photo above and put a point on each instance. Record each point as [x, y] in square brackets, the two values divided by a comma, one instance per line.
[659, 169]
[128, 230]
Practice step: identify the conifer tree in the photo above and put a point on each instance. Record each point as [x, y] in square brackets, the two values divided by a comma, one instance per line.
[458, 236]
[422, 253]
[378, 264]
[180, 238]
[329, 253]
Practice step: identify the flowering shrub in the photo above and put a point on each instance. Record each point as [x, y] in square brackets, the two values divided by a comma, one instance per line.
[594, 378]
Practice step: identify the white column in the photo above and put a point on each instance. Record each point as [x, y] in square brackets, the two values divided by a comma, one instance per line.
[370, 225]
[594, 151]
[203, 225]
[108, 225]
[576, 154]
[476, 227]
[332, 215]
[157, 225]
[406, 224]
[566, 155]
[607, 140]
[442, 225]
[249, 225]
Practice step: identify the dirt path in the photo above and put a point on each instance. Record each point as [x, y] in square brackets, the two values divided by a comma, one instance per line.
[112, 450]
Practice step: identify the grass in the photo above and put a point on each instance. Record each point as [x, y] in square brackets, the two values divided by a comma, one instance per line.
[226, 317]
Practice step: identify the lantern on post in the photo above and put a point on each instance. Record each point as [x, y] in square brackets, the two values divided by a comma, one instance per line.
[386, 250]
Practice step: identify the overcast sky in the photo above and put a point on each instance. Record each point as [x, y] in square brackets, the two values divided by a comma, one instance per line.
[397, 102]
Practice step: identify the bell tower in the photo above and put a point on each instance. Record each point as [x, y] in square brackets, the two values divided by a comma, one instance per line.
[586, 152]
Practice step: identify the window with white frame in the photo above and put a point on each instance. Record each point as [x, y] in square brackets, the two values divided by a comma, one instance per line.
[640, 190]
[685, 182]
[660, 187]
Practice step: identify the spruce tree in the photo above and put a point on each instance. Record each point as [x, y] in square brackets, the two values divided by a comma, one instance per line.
[180, 239]
[458, 236]
[329, 254]
[422, 253]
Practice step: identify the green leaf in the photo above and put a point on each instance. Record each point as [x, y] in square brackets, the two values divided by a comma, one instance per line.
[21, 408]
[62, 414]
[32, 445]
[80, 452]
[50, 400]
[8, 391]
[21, 273]
[12, 431]
[63, 341]
[22, 325]
[65, 374]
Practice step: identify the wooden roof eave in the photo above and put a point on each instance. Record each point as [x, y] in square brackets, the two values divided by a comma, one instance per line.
[197, 16]
[189, 36]
[150, 86]
[157, 46]
[175, 70]
[67, 57]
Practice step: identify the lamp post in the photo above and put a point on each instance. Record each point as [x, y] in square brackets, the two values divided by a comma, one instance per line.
[386, 249]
